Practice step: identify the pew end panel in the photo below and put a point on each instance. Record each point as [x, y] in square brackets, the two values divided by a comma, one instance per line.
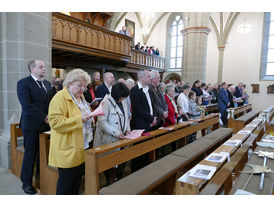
[17, 152]
[48, 174]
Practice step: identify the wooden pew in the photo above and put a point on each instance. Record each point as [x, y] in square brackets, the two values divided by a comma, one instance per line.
[234, 113]
[223, 179]
[190, 185]
[17, 152]
[211, 108]
[48, 174]
[98, 161]
[160, 176]
[268, 116]
[240, 122]
[253, 184]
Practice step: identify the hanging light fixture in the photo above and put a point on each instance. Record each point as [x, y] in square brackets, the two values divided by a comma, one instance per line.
[244, 28]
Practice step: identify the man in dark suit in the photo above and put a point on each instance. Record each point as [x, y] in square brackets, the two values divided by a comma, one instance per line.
[161, 108]
[143, 112]
[105, 88]
[238, 93]
[223, 102]
[34, 94]
[142, 103]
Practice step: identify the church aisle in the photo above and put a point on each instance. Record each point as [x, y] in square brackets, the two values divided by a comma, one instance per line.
[9, 183]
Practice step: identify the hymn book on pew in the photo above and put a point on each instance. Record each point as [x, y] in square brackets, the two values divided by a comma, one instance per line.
[216, 157]
[135, 134]
[204, 172]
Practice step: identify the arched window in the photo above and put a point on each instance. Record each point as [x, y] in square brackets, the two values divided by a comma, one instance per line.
[267, 57]
[174, 47]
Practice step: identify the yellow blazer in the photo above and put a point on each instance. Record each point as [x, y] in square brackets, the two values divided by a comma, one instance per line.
[66, 140]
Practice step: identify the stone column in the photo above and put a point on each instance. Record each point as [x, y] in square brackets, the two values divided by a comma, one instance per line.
[220, 64]
[195, 46]
[24, 36]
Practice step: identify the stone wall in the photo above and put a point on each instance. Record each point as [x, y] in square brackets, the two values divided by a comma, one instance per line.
[24, 36]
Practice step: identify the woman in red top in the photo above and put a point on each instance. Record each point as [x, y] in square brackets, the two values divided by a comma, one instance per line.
[172, 107]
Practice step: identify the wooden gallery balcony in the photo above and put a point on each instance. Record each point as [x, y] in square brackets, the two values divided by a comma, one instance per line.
[76, 43]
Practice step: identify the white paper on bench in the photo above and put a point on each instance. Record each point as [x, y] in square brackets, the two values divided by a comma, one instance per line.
[200, 171]
[216, 157]
[233, 143]
[252, 125]
[268, 138]
[257, 120]
[167, 128]
[244, 132]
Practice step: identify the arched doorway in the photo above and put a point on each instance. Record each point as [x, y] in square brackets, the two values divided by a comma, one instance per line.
[172, 76]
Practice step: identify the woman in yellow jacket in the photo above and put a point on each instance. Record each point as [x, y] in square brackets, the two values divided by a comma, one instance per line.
[71, 132]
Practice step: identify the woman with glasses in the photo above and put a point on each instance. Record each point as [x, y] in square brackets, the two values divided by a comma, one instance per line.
[71, 132]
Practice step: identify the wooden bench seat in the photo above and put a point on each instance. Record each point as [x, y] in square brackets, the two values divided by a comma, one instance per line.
[99, 159]
[17, 151]
[239, 123]
[147, 178]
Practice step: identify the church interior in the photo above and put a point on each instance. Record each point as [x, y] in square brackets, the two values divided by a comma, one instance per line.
[214, 47]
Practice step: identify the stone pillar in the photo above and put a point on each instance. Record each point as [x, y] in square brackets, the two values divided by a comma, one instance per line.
[24, 36]
[195, 46]
[220, 64]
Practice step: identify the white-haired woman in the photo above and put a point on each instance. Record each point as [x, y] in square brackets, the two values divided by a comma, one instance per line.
[129, 83]
[71, 131]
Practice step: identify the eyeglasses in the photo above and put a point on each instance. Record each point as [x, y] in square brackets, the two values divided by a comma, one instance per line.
[80, 87]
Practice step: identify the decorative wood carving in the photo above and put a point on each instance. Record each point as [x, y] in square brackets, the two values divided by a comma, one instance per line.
[255, 88]
[270, 89]
[71, 30]
[75, 36]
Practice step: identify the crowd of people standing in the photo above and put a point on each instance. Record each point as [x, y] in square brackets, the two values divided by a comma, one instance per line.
[127, 105]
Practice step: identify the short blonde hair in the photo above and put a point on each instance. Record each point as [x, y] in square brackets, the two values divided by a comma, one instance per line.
[76, 75]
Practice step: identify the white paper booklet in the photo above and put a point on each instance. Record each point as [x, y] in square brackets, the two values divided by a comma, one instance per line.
[233, 143]
[257, 120]
[202, 172]
[244, 132]
[216, 157]
[268, 138]
[252, 125]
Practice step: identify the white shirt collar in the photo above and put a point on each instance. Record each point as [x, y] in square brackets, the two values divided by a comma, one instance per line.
[35, 79]
[141, 87]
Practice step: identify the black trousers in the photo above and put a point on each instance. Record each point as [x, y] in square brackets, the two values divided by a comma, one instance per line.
[223, 115]
[31, 155]
[69, 180]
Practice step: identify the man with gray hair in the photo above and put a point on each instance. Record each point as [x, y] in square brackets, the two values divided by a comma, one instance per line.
[142, 103]
[161, 109]
[143, 112]
[105, 88]
[238, 92]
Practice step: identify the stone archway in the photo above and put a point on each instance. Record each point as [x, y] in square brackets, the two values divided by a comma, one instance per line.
[172, 76]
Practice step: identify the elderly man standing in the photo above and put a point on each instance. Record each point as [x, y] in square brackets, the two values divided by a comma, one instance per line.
[105, 88]
[161, 108]
[34, 94]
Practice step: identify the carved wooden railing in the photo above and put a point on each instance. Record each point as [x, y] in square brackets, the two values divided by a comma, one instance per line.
[71, 34]
[146, 59]
[72, 31]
